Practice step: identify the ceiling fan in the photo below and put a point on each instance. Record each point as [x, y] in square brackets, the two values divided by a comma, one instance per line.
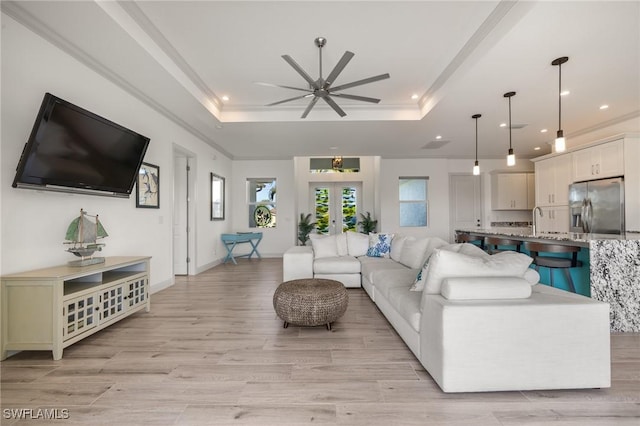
[321, 88]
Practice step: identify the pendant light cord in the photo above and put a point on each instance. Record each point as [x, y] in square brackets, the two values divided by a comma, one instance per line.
[560, 96]
[476, 139]
[510, 122]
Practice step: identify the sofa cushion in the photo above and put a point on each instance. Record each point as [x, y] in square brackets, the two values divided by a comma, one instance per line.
[413, 252]
[323, 246]
[396, 246]
[341, 243]
[336, 265]
[532, 276]
[379, 245]
[407, 304]
[448, 264]
[386, 279]
[465, 248]
[482, 288]
[371, 265]
[357, 244]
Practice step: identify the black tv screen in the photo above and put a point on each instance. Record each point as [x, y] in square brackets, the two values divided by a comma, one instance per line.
[72, 149]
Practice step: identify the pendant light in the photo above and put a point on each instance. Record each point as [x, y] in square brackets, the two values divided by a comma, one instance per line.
[560, 144]
[511, 158]
[476, 167]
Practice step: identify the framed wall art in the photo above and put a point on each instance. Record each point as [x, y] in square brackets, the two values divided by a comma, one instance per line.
[148, 187]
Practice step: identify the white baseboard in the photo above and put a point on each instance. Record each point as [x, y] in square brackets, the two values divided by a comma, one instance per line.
[162, 285]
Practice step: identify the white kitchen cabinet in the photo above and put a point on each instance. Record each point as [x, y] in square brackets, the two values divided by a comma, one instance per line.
[511, 191]
[553, 220]
[553, 177]
[599, 161]
[52, 308]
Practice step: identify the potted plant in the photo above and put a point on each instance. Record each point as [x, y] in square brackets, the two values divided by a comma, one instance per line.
[305, 226]
[367, 223]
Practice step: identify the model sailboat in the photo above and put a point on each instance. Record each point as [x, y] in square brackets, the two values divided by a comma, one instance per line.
[83, 234]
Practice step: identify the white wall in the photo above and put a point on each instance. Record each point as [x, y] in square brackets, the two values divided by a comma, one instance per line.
[438, 171]
[275, 241]
[33, 223]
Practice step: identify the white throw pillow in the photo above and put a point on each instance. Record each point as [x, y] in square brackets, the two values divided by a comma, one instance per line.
[446, 264]
[379, 245]
[357, 243]
[324, 246]
[413, 252]
[483, 288]
[421, 278]
[341, 242]
[396, 246]
[472, 250]
[532, 276]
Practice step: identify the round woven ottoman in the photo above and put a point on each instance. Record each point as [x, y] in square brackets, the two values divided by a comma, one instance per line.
[310, 302]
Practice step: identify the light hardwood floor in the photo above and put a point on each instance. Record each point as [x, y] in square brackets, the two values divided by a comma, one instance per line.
[212, 351]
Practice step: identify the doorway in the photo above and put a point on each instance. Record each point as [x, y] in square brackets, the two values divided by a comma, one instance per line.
[183, 244]
[465, 202]
[335, 206]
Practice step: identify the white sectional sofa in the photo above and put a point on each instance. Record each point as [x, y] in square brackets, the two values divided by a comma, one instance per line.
[475, 322]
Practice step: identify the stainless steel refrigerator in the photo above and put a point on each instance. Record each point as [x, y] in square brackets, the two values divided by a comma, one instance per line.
[597, 206]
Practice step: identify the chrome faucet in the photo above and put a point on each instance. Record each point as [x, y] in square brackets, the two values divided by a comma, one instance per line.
[534, 225]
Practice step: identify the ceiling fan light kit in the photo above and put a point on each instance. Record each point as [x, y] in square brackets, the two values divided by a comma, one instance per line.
[322, 88]
[560, 143]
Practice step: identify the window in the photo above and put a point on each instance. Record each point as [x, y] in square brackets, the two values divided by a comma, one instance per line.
[413, 201]
[262, 203]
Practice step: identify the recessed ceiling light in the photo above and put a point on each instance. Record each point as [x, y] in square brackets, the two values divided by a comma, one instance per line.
[543, 131]
[564, 93]
[503, 124]
[414, 96]
[604, 106]
[225, 98]
[537, 148]
[438, 137]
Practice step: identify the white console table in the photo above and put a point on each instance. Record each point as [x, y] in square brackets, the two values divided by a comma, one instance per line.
[52, 308]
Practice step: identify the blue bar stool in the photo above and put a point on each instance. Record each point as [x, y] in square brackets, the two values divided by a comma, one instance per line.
[493, 244]
[552, 263]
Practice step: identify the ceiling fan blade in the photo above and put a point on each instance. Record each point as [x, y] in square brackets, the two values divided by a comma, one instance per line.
[361, 82]
[335, 106]
[338, 68]
[260, 83]
[356, 98]
[300, 71]
[309, 107]
[290, 99]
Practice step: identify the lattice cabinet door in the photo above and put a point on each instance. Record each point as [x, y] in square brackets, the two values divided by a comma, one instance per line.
[79, 315]
[137, 292]
[112, 303]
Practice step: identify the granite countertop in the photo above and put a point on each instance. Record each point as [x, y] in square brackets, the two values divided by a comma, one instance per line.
[524, 233]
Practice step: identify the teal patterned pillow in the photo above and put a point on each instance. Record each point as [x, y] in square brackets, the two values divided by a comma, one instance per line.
[379, 245]
[418, 284]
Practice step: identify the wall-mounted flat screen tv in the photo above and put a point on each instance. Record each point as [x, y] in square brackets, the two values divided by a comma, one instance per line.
[73, 150]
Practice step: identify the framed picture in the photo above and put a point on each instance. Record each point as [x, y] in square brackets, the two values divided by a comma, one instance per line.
[148, 187]
[217, 197]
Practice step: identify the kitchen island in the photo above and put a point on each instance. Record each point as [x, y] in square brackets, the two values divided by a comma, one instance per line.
[613, 273]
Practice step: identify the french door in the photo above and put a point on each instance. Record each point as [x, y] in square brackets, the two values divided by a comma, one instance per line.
[335, 206]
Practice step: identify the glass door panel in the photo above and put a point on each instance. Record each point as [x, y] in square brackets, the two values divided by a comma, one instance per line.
[335, 207]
